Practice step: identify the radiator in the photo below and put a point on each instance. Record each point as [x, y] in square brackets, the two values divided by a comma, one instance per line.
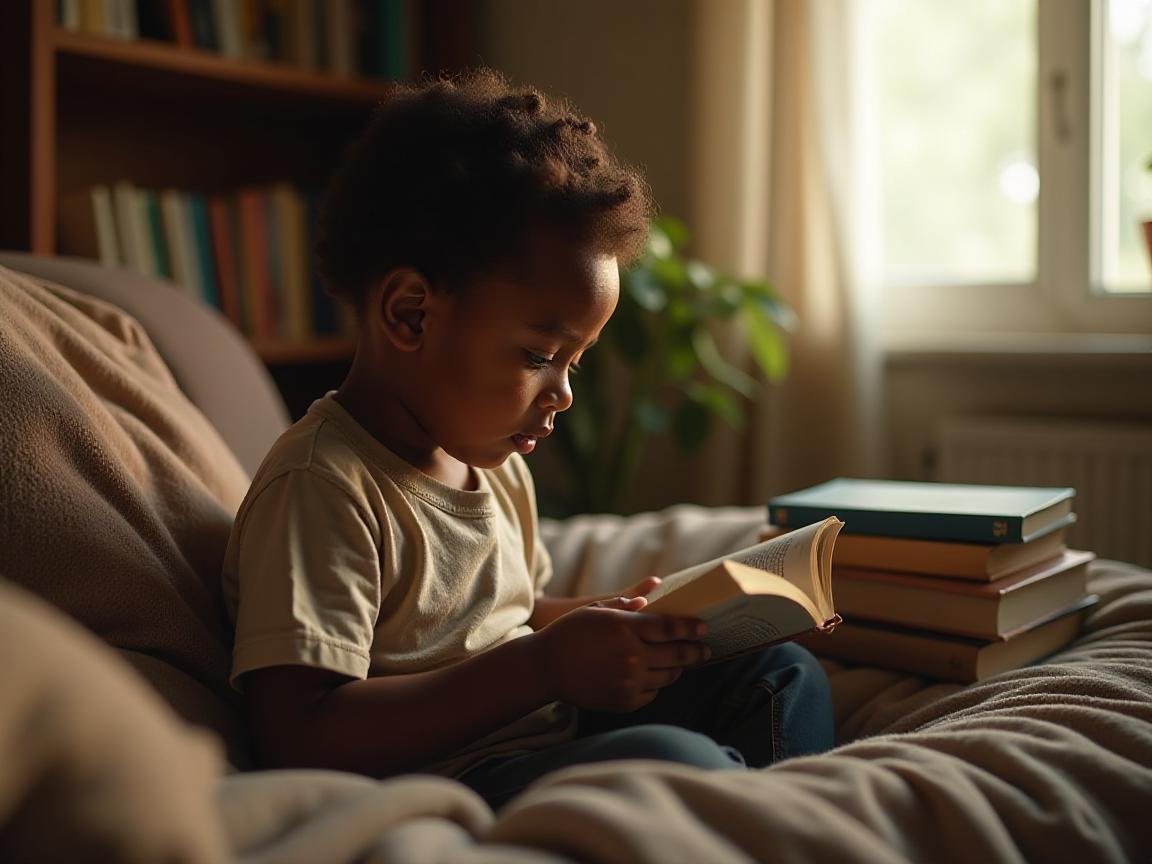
[1109, 465]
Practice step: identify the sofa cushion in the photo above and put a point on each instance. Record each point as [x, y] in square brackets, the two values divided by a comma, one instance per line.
[117, 494]
[212, 363]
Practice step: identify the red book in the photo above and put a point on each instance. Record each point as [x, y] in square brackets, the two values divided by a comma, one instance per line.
[181, 22]
[227, 277]
[257, 274]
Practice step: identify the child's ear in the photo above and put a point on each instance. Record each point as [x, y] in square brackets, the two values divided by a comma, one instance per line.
[401, 306]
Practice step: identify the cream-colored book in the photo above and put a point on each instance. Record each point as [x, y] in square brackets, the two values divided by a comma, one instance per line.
[770, 592]
[975, 561]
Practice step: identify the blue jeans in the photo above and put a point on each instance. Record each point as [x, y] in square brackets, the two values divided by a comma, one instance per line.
[751, 711]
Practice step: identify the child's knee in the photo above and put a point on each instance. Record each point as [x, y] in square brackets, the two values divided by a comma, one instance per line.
[675, 744]
[798, 667]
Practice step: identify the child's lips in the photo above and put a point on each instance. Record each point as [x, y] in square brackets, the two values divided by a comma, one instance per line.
[524, 444]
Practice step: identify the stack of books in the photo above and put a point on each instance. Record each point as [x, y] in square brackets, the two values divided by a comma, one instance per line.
[247, 253]
[950, 581]
[338, 37]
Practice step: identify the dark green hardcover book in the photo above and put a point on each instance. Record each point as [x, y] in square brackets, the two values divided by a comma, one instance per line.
[160, 253]
[931, 511]
[201, 230]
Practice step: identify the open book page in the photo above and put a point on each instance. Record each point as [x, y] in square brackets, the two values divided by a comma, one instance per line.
[802, 557]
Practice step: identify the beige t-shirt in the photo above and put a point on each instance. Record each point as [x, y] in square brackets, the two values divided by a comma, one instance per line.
[345, 557]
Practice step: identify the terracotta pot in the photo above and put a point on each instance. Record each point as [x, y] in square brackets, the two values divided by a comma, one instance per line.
[1148, 240]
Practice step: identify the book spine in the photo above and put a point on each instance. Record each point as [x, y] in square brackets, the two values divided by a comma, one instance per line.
[948, 660]
[227, 279]
[202, 21]
[181, 20]
[68, 15]
[157, 242]
[325, 315]
[394, 29]
[924, 526]
[228, 28]
[105, 220]
[276, 307]
[297, 301]
[253, 229]
[202, 233]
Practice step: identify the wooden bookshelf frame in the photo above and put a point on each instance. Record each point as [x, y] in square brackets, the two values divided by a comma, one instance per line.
[69, 101]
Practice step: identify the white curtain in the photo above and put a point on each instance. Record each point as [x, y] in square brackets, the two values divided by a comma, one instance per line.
[777, 189]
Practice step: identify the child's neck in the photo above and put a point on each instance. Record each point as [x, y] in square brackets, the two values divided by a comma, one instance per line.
[387, 419]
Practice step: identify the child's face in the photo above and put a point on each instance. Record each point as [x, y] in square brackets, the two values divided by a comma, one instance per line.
[497, 355]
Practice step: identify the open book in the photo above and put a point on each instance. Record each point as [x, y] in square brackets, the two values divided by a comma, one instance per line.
[770, 592]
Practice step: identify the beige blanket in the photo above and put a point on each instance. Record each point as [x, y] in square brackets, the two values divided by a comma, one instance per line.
[116, 495]
[1050, 763]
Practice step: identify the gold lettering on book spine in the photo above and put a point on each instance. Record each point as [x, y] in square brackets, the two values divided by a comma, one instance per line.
[999, 528]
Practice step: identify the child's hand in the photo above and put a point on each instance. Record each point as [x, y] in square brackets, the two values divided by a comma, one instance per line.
[608, 660]
[630, 599]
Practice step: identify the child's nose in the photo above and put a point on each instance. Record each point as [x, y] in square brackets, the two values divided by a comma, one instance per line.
[558, 397]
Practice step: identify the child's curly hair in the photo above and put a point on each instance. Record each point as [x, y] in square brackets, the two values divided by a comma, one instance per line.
[450, 176]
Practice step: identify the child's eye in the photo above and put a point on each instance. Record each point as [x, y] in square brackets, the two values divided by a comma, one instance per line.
[536, 360]
[573, 368]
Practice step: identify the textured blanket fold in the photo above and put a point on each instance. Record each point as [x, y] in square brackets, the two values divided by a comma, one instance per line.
[116, 495]
[1049, 763]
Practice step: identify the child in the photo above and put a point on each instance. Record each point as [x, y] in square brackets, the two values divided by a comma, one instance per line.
[385, 571]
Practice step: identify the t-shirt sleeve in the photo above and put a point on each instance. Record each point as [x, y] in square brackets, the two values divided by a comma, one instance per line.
[308, 574]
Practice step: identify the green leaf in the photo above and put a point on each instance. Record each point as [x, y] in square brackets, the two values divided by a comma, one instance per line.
[721, 403]
[659, 243]
[645, 289]
[726, 299]
[764, 339]
[651, 417]
[691, 424]
[700, 275]
[675, 231]
[776, 310]
[719, 368]
[628, 335]
[669, 272]
[680, 356]
[583, 427]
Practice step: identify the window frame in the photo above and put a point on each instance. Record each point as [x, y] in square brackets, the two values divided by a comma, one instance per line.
[1064, 297]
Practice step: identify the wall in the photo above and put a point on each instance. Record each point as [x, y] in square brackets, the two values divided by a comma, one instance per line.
[922, 388]
[624, 64]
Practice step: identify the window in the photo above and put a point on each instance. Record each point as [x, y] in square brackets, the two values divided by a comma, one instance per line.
[1011, 139]
[1123, 187]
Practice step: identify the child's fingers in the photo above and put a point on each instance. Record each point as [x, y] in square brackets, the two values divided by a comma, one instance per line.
[654, 679]
[676, 655]
[628, 604]
[643, 586]
[657, 628]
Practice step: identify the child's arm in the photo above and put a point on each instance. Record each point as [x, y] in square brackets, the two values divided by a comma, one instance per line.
[548, 609]
[595, 658]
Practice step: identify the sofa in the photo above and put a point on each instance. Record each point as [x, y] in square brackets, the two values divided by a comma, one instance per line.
[131, 419]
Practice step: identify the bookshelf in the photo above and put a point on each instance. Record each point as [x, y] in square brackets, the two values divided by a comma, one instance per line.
[81, 110]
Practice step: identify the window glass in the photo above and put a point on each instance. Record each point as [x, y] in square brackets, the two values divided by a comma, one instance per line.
[953, 90]
[1124, 91]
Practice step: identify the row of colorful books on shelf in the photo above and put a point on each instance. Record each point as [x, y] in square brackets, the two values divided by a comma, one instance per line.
[245, 253]
[950, 581]
[341, 37]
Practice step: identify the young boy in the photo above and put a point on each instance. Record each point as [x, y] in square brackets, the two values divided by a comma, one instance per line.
[385, 571]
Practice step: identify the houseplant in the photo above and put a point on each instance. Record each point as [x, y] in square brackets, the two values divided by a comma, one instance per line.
[1147, 223]
[658, 368]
